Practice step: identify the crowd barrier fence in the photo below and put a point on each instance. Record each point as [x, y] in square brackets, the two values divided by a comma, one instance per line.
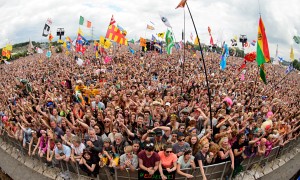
[215, 171]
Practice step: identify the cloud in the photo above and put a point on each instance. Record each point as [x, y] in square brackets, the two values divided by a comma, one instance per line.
[22, 20]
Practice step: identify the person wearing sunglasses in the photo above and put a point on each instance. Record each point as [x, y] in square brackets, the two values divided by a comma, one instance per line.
[148, 161]
[167, 165]
[181, 145]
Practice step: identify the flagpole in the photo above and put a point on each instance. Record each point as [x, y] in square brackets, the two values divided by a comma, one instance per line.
[183, 62]
[281, 80]
[254, 86]
[207, 82]
[272, 87]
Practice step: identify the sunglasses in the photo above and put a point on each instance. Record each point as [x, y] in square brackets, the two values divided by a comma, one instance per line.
[106, 121]
[180, 140]
[168, 151]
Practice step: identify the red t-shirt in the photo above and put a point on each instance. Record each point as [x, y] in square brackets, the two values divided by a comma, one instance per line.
[148, 162]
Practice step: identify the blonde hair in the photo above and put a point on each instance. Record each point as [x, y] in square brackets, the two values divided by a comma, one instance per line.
[221, 142]
[128, 149]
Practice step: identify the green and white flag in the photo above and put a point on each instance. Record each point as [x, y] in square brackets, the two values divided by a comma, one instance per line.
[85, 22]
[169, 41]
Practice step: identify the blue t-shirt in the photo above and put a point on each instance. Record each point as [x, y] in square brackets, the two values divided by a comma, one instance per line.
[66, 150]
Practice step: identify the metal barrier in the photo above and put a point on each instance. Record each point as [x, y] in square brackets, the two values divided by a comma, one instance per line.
[215, 171]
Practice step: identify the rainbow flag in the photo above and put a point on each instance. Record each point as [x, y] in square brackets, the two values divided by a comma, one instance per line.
[262, 50]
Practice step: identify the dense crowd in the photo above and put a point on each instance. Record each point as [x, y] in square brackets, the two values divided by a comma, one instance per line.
[146, 111]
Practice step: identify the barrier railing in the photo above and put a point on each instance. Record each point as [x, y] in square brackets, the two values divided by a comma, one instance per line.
[215, 171]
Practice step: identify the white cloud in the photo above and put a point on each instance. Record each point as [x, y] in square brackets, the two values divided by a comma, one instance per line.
[22, 20]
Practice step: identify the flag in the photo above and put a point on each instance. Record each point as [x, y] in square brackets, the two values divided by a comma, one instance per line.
[119, 27]
[262, 50]
[233, 42]
[292, 57]
[280, 59]
[112, 20]
[161, 35]
[177, 46]
[39, 50]
[289, 69]
[169, 41]
[142, 42]
[48, 54]
[4, 51]
[131, 41]
[107, 59]
[114, 34]
[50, 37]
[209, 30]
[104, 42]
[181, 4]
[79, 31]
[253, 43]
[85, 22]
[191, 36]
[60, 41]
[165, 21]
[131, 50]
[79, 61]
[242, 66]
[196, 42]
[46, 29]
[150, 27]
[224, 56]
[6, 62]
[9, 47]
[262, 73]
[68, 39]
[153, 38]
[297, 39]
[211, 41]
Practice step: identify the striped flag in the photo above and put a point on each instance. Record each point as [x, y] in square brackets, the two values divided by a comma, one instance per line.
[112, 20]
[85, 22]
[289, 69]
[262, 50]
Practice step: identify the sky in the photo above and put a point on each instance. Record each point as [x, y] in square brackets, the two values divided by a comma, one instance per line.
[24, 20]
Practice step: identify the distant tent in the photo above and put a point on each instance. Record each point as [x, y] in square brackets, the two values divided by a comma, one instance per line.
[30, 47]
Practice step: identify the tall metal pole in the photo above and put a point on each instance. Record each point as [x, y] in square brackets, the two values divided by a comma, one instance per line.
[207, 82]
[183, 61]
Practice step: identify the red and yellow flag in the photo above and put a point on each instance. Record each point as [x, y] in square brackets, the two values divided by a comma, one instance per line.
[262, 50]
[113, 33]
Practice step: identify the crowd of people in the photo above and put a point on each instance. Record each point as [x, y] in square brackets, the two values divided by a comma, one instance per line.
[146, 111]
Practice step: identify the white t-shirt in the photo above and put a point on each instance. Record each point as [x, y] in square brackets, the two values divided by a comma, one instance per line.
[184, 165]
[78, 150]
